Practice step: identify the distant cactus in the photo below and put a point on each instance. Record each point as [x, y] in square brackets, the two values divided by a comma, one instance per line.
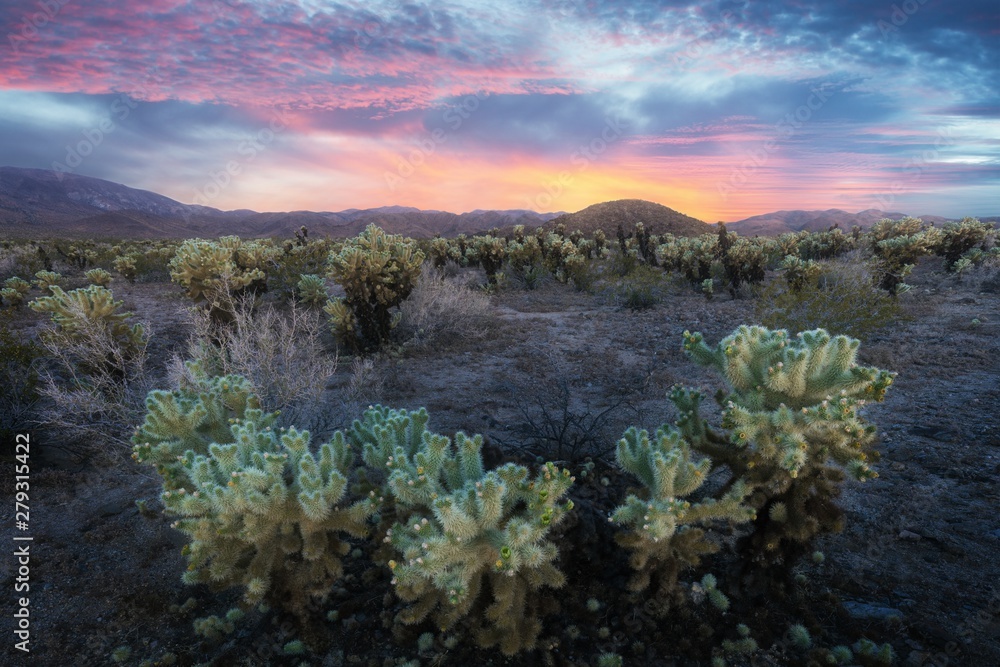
[216, 272]
[312, 289]
[45, 280]
[262, 510]
[84, 313]
[896, 245]
[461, 530]
[378, 271]
[98, 277]
[125, 265]
[959, 240]
[799, 272]
[14, 291]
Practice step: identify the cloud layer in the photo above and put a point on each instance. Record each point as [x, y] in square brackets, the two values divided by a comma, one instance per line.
[719, 109]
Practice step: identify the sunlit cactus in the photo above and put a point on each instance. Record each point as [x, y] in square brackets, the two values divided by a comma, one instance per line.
[378, 271]
[264, 512]
[791, 426]
[462, 531]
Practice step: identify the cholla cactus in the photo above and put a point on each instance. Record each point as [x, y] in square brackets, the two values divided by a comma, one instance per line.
[46, 280]
[896, 245]
[959, 241]
[491, 253]
[125, 265]
[792, 421]
[799, 272]
[98, 277]
[214, 272]
[664, 536]
[90, 316]
[312, 289]
[14, 291]
[377, 271]
[460, 529]
[262, 510]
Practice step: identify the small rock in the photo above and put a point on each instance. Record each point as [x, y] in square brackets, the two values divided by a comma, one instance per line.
[908, 535]
[869, 612]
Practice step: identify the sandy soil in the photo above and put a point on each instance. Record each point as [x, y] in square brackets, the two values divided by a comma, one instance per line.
[917, 564]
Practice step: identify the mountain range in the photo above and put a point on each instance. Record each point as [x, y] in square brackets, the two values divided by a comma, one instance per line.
[36, 203]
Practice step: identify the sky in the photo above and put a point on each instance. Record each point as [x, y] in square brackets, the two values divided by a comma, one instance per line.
[718, 109]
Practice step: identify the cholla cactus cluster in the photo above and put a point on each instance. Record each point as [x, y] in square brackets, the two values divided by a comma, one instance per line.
[896, 245]
[461, 529]
[377, 271]
[262, 510]
[215, 272]
[791, 424]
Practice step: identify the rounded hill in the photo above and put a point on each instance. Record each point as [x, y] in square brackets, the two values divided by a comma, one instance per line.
[657, 218]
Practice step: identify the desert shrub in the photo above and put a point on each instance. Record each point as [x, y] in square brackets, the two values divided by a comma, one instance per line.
[23, 260]
[18, 380]
[463, 533]
[378, 271]
[842, 299]
[442, 312]
[98, 376]
[642, 289]
[278, 352]
[262, 510]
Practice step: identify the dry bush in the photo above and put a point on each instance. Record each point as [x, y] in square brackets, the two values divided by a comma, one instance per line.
[95, 386]
[441, 312]
[279, 351]
[843, 299]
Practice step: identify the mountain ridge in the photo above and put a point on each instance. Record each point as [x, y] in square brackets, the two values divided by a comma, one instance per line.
[37, 203]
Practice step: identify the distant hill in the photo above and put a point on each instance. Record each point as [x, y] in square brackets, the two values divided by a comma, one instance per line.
[36, 203]
[658, 219]
[780, 222]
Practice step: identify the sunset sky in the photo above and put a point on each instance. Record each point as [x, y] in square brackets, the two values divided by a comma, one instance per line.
[718, 109]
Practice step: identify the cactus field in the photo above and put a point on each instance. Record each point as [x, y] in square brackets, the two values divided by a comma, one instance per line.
[525, 447]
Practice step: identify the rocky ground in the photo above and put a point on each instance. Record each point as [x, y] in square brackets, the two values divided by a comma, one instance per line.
[916, 565]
